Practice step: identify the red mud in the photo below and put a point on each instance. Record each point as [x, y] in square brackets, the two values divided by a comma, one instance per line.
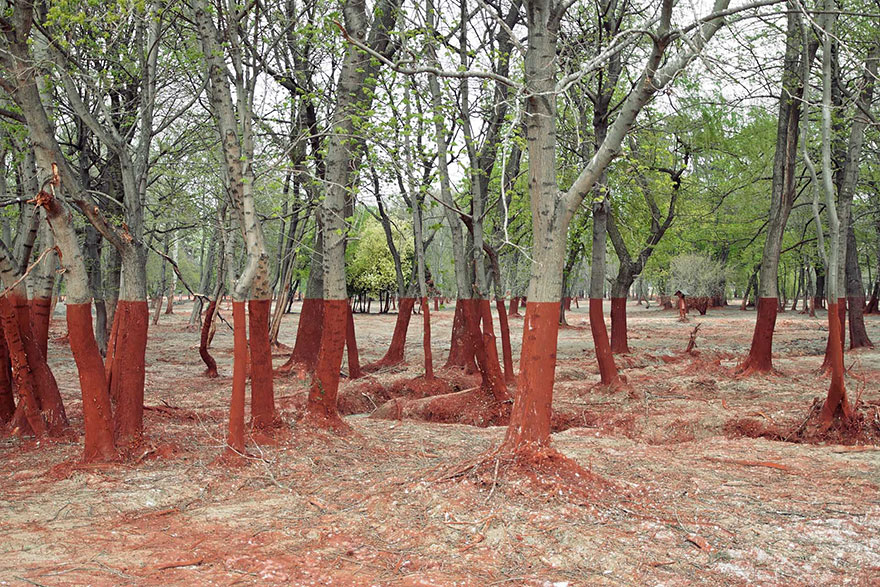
[684, 504]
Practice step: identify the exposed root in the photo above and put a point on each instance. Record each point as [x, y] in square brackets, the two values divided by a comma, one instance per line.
[862, 428]
[475, 407]
[317, 420]
[293, 371]
[748, 369]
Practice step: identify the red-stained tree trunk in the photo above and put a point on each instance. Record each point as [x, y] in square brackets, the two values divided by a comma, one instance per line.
[354, 363]
[28, 417]
[97, 411]
[127, 373]
[304, 356]
[461, 352]
[321, 404]
[486, 351]
[874, 302]
[759, 359]
[783, 192]
[235, 437]
[7, 398]
[607, 368]
[619, 341]
[395, 353]
[354, 95]
[40, 377]
[263, 414]
[552, 211]
[204, 341]
[506, 351]
[836, 405]
[426, 339]
[855, 295]
[234, 122]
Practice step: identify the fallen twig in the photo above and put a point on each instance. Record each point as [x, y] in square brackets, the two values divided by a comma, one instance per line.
[187, 563]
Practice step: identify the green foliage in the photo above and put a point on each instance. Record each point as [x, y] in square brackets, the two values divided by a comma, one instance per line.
[369, 264]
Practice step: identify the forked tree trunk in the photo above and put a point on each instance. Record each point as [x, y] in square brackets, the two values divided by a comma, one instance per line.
[607, 368]
[252, 287]
[205, 340]
[127, 377]
[529, 427]
[26, 354]
[44, 284]
[354, 93]
[97, 415]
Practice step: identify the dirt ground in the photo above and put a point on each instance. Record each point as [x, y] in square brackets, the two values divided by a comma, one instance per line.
[685, 501]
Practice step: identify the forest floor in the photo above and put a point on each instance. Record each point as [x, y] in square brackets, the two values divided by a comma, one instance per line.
[685, 498]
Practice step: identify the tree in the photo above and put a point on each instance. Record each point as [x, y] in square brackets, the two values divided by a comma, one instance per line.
[354, 95]
[552, 210]
[235, 126]
[783, 191]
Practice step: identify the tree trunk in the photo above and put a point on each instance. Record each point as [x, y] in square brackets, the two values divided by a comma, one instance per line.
[354, 362]
[354, 95]
[783, 192]
[160, 292]
[395, 353]
[234, 122]
[529, 427]
[43, 286]
[169, 309]
[97, 415]
[304, 356]
[205, 279]
[855, 295]
[607, 368]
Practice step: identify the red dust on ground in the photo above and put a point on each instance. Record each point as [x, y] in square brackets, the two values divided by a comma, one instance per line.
[675, 491]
